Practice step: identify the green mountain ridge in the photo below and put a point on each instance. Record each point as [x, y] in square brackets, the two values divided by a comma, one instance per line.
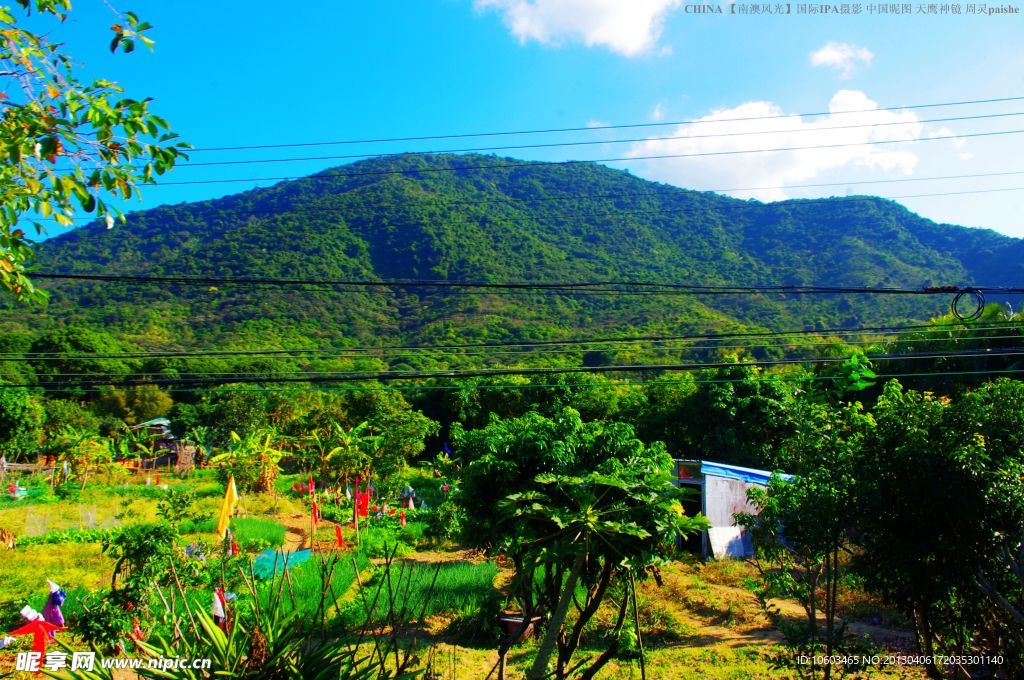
[448, 218]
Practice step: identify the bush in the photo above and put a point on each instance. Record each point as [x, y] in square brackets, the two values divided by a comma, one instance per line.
[445, 521]
[102, 623]
[176, 505]
[139, 491]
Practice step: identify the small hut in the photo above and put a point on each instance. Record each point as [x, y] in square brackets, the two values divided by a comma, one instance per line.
[165, 446]
[721, 494]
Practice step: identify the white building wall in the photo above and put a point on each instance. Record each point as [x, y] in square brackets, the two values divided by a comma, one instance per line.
[724, 498]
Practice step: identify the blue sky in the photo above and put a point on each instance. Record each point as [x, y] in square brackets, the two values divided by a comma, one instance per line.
[319, 71]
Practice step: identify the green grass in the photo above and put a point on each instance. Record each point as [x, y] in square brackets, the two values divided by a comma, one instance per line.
[95, 509]
[461, 589]
[306, 584]
[24, 572]
[249, 532]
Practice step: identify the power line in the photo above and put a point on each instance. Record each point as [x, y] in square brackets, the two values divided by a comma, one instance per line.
[543, 351]
[564, 286]
[159, 377]
[526, 351]
[551, 145]
[595, 128]
[522, 386]
[626, 159]
[519, 164]
[492, 372]
[668, 193]
[553, 343]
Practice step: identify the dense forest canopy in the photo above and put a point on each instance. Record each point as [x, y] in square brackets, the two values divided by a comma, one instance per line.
[453, 218]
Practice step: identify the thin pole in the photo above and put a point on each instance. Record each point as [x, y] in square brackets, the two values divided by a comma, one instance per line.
[636, 621]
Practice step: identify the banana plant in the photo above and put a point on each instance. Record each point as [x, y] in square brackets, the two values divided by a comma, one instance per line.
[253, 459]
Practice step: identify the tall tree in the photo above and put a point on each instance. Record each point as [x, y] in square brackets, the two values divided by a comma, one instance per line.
[802, 526]
[941, 517]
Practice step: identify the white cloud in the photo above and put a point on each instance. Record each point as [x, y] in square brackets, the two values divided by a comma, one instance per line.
[958, 142]
[627, 27]
[658, 113]
[842, 57]
[594, 123]
[780, 168]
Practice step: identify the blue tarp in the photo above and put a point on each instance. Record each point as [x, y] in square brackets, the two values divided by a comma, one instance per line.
[263, 565]
[748, 475]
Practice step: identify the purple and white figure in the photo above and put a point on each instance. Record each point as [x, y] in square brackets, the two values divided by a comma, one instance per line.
[51, 612]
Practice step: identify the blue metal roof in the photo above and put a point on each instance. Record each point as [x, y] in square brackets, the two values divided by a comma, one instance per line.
[748, 475]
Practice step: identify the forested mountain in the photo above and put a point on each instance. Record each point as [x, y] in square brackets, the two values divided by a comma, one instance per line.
[452, 218]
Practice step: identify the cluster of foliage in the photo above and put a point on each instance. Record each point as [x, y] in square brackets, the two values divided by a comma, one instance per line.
[252, 460]
[921, 498]
[70, 536]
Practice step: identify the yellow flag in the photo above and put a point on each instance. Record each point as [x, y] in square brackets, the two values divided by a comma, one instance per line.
[227, 508]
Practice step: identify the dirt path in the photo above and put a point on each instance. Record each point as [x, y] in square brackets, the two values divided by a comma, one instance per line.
[296, 532]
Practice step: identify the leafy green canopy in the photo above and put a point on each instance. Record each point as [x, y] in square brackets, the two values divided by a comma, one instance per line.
[941, 516]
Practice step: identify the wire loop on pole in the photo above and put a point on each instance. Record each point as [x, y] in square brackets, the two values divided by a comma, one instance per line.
[979, 301]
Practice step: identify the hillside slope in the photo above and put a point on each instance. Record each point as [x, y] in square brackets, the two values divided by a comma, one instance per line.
[449, 218]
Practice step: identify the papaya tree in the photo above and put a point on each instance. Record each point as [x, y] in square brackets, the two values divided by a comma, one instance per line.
[583, 509]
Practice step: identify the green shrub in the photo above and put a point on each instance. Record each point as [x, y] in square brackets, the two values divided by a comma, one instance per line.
[445, 521]
[139, 491]
[102, 623]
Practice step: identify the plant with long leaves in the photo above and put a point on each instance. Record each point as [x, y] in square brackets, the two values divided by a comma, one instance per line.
[253, 460]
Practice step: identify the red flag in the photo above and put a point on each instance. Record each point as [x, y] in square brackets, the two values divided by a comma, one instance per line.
[401, 518]
[311, 487]
[39, 630]
[316, 514]
[221, 603]
[339, 539]
[234, 548]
